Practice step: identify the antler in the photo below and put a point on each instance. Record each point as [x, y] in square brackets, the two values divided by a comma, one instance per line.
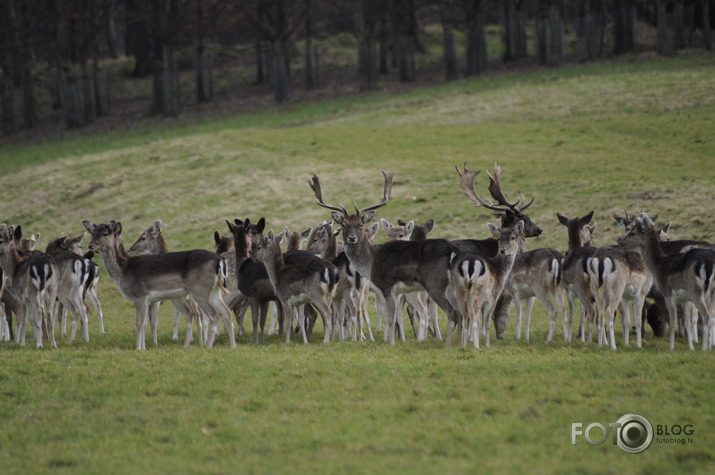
[498, 194]
[385, 194]
[466, 183]
[315, 185]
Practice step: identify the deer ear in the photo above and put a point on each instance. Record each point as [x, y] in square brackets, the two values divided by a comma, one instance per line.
[261, 224]
[494, 229]
[373, 229]
[118, 228]
[88, 225]
[588, 218]
[429, 224]
[367, 217]
[519, 228]
[231, 226]
[217, 237]
[304, 235]
[337, 217]
[157, 227]
[17, 233]
[562, 219]
[386, 225]
[409, 227]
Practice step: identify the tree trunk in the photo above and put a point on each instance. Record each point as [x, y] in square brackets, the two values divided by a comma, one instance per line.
[513, 20]
[203, 77]
[665, 41]
[550, 43]
[367, 71]
[678, 25]
[405, 46]
[311, 54]
[279, 72]
[384, 39]
[451, 68]
[367, 64]
[624, 27]
[476, 48]
[707, 34]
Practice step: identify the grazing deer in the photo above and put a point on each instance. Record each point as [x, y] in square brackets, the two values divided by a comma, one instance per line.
[152, 242]
[32, 280]
[72, 275]
[574, 269]
[74, 245]
[618, 278]
[476, 282]
[311, 282]
[393, 267]
[682, 277]
[510, 213]
[146, 280]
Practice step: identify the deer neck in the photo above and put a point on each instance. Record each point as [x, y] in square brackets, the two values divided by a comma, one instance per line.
[651, 252]
[115, 260]
[360, 254]
[274, 263]
[9, 261]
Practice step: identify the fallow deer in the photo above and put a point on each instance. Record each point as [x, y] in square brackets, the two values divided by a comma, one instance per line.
[72, 275]
[618, 277]
[393, 267]
[148, 279]
[295, 285]
[32, 280]
[510, 213]
[574, 269]
[74, 245]
[152, 242]
[682, 277]
[418, 302]
[477, 281]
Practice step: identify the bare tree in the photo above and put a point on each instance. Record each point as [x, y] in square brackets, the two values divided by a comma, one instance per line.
[475, 12]
[549, 34]
[275, 22]
[513, 18]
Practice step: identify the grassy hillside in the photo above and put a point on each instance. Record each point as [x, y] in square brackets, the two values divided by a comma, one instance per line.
[636, 135]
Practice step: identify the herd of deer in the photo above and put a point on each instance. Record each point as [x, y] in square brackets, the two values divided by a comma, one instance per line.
[473, 281]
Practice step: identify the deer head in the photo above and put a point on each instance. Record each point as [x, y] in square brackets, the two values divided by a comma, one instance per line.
[352, 224]
[510, 213]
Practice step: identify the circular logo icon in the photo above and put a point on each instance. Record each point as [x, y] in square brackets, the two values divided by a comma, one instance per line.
[634, 434]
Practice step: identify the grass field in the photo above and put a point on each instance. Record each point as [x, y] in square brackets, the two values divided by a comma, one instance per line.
[635, 135]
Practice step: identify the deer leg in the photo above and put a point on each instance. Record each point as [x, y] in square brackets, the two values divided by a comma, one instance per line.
[94, 300]
[626, 318]
[264, 313]
[527, 327]
[142, 307]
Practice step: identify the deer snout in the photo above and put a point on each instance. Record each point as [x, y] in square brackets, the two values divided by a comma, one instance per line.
[352, 239]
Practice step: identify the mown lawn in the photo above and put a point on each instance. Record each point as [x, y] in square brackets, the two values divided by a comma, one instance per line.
[635, 135]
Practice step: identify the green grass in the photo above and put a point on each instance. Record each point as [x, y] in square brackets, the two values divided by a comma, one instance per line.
[635, 135]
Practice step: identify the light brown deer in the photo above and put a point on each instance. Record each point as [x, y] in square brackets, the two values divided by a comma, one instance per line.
[152, 242]
[476, 281]
[146, 280]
